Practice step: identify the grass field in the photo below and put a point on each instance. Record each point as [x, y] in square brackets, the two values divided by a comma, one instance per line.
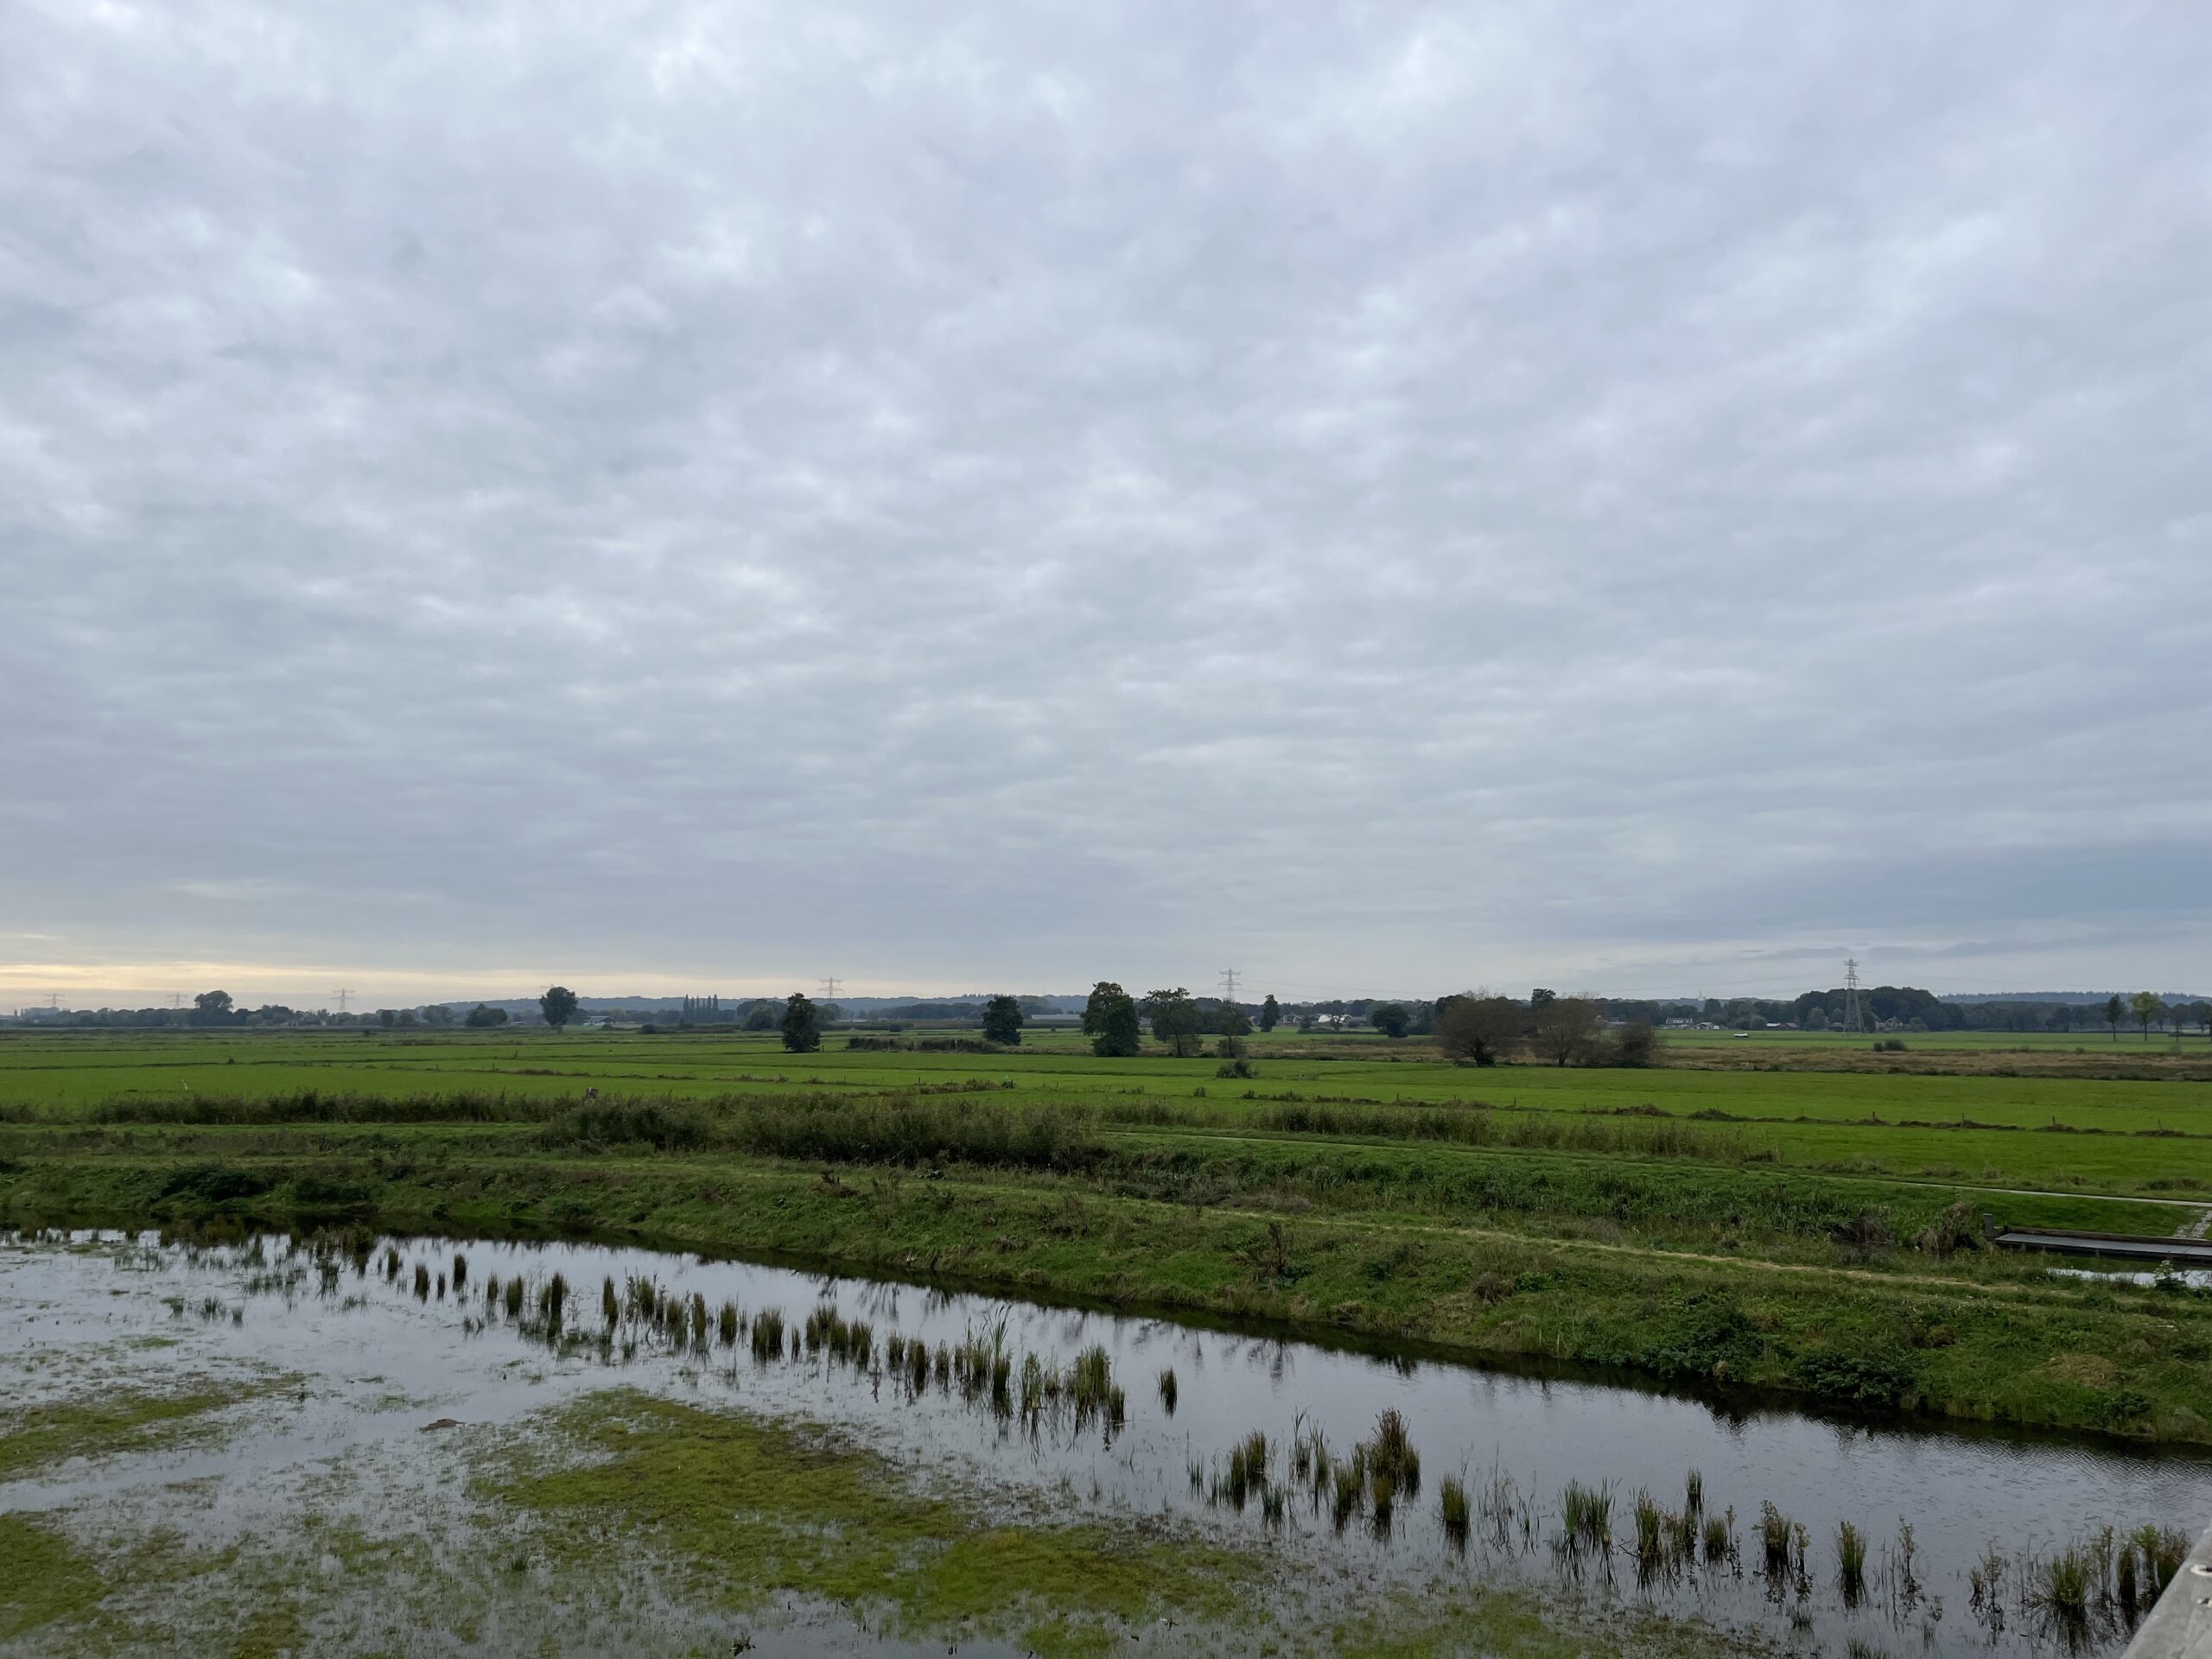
[1808, 1224]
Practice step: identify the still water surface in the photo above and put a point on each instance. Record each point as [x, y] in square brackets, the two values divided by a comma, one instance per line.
[377, 1362]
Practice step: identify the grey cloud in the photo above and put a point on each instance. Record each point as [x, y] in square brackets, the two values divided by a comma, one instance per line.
[1393, 497]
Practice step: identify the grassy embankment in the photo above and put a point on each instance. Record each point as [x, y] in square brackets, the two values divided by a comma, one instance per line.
[1801, 1232]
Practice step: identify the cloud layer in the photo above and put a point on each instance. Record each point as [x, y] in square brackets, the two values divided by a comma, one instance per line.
[1389, 498]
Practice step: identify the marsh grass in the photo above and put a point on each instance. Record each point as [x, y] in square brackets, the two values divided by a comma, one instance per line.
[2063, 1587]
[1168, 1390]
[421, 1283]
[1851, 1562]
[1586, 1517]
[768, 1335]
[1775, 1536]
[1454, 1510]
[1720, 1538]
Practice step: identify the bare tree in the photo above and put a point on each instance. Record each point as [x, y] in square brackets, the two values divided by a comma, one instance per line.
[1568, 1029]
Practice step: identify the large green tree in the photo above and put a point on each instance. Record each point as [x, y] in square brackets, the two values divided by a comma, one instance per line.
[2115, 1011]
[1003, 1019]
[558, 1005]
[1270, 1012]
[801, 1024]
[2148, 1008]
[1391, 1020]
[1110, 1020]
[483, 1015]
[1177, 1021]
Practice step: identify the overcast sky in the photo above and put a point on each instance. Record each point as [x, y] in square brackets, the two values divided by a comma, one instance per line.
[1391, 499]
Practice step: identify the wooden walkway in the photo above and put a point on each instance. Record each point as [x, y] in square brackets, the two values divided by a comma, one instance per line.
[2151, 1249]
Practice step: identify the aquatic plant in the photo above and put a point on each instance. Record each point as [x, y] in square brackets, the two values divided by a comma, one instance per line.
[1247, 1469]
[1851, 1562]
[1349, 1484]
[421, 1283]
[459, 1272]
[514, 1295]
[2063, 1587]
[1717, 1538]
[2163, 1551]
[725, 1324]
[1586, 1517]
[1905, 1563]
[1391, 1452]
[1168, 1390]
[1774, 1531]
[1650, 1546]
[1694, 1495]
[1452, 1495]
[768, 1334]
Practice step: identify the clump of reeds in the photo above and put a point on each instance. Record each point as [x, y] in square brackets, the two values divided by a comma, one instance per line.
[1246, 1470]
[610, 1303]
[1452, 1495]
[701, 1319]
[392, 1262]
[1851, 1562]
[1775, 1533]
[1168, 1390]
[725, 1324]
[1650, 1546]
[768, 1334]
[1391, 1454]
[441, 1288]
[1586, 1517]
[1717, 1538]
[459, 1272]
[1694, 1495]
[2063, 1587]
[918, 1365]
[1348, 1482]
[514, 1295]
[2163, 1551]
[421, 1283]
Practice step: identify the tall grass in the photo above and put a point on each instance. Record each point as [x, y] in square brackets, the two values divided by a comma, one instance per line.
[1851, 1562]
[1455, 1511]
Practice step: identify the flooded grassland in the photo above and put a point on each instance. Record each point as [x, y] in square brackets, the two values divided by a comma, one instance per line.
[354, 1444]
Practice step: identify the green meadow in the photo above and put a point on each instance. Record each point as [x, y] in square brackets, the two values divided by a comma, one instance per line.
[1807, 1223]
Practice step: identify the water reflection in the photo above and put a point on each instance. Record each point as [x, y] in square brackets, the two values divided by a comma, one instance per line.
[1383, 1466]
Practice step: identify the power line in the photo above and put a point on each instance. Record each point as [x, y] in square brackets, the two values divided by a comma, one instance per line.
[830, 984]
[1851, 993]
[1229, 984]
[341, 993]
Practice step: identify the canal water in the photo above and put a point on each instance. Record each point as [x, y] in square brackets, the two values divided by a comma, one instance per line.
[382, 1341]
